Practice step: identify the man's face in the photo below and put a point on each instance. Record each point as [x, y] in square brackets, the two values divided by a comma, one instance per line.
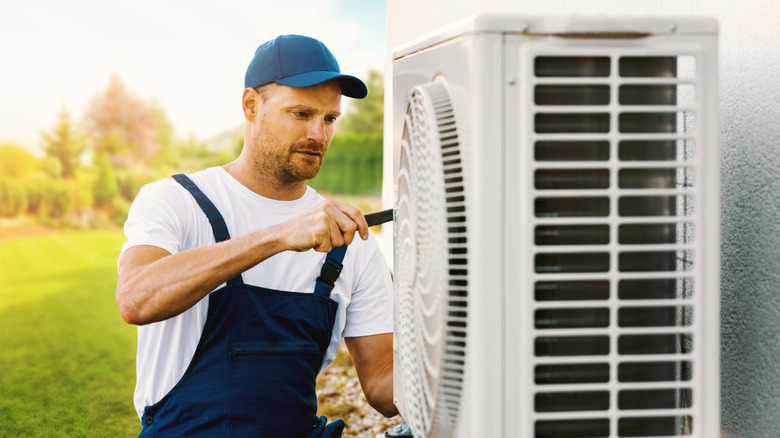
[293, 130]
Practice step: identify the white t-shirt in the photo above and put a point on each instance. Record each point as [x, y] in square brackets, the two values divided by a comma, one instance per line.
[165, 214]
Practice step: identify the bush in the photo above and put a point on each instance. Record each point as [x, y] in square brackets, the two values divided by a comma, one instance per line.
[13, 198]
[16, 162]
[132, 179]
[35, 193]
[57, 200]
[105, 187]
[352, 165]
[119, 210]
[49, 198]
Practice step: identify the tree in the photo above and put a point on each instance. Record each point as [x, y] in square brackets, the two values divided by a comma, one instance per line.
[123, 125]
[65, 143]
[366, 116]
[16, 162]
[105, 187]
[51, 167]
[167, 152]
[57, 200]
[13, 198]
[353, 165]
[49, 198]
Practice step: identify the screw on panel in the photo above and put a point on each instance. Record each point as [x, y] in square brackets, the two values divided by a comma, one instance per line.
[672, 27]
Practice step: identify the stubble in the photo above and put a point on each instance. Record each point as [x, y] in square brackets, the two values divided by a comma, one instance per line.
[282, 163]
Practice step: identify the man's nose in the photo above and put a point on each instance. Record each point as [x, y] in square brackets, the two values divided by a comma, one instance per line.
[317, 131]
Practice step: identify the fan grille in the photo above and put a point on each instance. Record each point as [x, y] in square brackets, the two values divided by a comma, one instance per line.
[431, 262]
[614, 260]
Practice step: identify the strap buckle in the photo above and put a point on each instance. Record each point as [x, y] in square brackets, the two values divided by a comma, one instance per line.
[330, 272]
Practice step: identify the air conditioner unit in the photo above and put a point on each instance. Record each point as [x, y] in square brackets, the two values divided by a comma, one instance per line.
[557, 228]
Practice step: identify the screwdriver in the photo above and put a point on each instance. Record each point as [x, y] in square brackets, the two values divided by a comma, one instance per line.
[379, 217]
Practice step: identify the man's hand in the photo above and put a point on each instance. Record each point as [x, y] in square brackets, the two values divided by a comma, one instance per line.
[324, 227]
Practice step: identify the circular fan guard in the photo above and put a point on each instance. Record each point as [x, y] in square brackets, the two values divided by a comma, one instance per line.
[431, 262]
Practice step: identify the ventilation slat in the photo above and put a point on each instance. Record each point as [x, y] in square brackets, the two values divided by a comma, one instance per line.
[585, 428]
[614, 237]
[572, 66]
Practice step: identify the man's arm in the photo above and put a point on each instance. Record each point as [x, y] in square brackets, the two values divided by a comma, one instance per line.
[154, 285]
[373, 359]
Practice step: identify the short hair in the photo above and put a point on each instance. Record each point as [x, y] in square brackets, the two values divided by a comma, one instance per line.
[265, 90]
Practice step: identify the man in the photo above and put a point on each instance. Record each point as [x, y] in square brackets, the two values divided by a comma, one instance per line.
[234, 274]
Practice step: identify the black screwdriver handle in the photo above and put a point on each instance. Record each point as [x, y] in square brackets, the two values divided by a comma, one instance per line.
[379, 217]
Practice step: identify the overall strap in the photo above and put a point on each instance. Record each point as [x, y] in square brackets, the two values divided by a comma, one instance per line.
[331, 270]
[218, 226]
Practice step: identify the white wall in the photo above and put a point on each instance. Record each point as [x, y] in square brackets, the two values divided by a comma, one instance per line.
[750, 172]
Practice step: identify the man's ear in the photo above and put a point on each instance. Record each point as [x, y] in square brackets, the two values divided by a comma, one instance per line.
[249, 101]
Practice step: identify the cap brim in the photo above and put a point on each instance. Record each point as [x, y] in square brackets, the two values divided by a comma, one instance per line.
[350, 85]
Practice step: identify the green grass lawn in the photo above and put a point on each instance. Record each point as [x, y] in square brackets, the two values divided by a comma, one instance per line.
[67, 360]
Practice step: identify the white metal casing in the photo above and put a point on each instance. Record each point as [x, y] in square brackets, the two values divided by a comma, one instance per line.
[489, 63]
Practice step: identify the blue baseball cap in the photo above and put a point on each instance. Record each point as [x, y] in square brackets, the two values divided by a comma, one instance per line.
[299, 61]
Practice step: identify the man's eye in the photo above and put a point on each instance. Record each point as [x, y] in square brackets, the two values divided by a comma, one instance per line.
[301, 114]
[330, 119]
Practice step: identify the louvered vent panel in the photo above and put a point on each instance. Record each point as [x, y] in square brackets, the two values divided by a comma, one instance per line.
[614, 244]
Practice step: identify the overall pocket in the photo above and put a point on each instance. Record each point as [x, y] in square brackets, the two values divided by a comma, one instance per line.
[271, 388]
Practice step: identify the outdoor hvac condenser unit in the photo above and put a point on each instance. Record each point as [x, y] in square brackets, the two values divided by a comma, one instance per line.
[557, 233]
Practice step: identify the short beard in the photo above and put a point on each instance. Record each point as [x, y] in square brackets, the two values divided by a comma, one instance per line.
[274, 162]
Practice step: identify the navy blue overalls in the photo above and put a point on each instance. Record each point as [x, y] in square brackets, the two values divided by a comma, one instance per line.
[255, 367]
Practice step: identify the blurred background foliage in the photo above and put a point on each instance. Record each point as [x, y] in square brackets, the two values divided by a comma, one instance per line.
[93, 166]
[68, 369]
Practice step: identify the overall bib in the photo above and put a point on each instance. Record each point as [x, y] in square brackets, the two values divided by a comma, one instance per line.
[254, 370]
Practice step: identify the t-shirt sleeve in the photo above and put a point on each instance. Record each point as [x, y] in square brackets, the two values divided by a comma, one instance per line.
[370, 311]
[155, 217]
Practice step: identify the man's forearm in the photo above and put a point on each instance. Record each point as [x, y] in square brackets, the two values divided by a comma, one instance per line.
[155, 285]
[382, 393]
[373, 359]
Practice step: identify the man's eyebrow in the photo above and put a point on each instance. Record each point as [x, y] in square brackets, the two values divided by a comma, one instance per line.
[302, 107]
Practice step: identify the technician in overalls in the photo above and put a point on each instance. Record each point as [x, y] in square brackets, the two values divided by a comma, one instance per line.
[242, 279]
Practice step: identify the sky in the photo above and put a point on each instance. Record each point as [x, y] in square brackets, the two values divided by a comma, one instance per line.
[188, 55]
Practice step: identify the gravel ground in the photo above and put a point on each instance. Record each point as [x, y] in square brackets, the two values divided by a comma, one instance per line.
[339, 396]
